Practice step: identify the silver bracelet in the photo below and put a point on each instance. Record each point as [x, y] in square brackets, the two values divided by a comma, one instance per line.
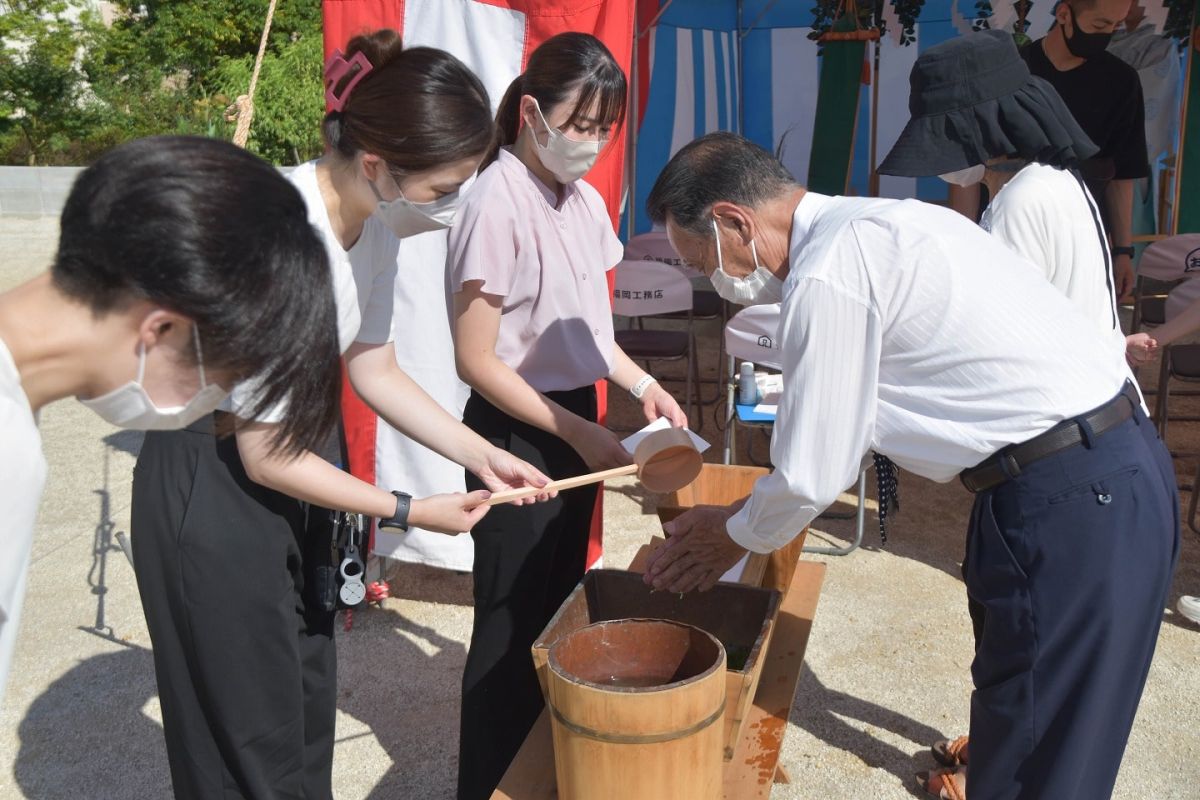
[639, 388]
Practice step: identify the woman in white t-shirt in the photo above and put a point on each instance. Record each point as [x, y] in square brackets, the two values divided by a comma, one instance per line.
[533, 334]
[183, 266]
[232, 540]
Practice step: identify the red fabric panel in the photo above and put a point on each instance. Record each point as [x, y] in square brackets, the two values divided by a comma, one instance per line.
[345, 19]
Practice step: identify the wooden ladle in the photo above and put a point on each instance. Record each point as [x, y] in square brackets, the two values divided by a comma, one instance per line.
[665, 461]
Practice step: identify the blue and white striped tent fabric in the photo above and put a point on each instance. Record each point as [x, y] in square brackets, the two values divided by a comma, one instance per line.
[757, 73]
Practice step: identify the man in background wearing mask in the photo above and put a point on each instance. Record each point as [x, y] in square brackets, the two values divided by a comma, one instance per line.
[1105, 96]
[908, 331]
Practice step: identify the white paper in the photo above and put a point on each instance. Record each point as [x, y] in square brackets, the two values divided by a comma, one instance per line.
[631, 442]
[735, 572]
[766, 408]
[770, 388]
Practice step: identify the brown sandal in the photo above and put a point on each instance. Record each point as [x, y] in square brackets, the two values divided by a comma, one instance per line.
[945, 784]
[950, 752]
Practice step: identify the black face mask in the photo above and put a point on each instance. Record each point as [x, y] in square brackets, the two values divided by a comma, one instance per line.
[1085, 45]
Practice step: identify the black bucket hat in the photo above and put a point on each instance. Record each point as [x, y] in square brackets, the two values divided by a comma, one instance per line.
[973, 99]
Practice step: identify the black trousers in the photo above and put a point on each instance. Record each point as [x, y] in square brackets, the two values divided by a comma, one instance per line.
[247, 672]
[1068, 568]
[527, 560]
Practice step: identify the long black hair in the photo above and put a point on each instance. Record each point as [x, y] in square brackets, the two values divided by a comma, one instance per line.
[217, 235]
[564, 64]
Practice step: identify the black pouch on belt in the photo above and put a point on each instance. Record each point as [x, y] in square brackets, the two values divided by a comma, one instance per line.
[321, 558]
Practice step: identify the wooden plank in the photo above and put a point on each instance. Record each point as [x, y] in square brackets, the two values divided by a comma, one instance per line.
[782, 564]
[531, 775]
[751, 772]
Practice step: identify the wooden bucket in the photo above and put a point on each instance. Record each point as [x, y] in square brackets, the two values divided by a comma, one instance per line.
[635, 707]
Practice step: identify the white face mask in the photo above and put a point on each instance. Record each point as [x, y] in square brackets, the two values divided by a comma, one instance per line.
[130, 407]
[407, 218]
[757, 288]
[567, 159]
[965, 177]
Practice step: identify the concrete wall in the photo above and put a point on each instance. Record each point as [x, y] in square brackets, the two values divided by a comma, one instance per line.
[31, 192]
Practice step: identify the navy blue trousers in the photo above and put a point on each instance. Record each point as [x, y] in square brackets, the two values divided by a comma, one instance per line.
[1070, 564]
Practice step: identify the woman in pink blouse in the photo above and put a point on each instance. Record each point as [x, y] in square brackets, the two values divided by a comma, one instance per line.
[533, 334]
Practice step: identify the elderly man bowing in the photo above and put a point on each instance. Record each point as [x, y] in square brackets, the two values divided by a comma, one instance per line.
[908, 331]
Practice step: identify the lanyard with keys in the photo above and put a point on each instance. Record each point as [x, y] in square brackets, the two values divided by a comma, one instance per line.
[352, 568]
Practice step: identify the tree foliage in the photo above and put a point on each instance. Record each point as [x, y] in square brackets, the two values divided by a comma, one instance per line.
[71, 88]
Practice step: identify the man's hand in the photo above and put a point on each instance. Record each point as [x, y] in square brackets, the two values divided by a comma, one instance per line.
[698, 552]
[1123, 275]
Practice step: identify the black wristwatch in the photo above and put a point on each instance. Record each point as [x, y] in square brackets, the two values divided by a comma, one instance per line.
[398, 522]
[1124, 251]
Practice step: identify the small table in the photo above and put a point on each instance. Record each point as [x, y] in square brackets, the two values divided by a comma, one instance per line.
[755, 766]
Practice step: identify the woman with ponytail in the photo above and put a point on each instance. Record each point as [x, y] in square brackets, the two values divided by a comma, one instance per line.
[230, 534]
[533, 334]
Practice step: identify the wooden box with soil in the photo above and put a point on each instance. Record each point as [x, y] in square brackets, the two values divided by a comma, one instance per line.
[740, 617]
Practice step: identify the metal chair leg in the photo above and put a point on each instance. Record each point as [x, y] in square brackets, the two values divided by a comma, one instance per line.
[1191, 514]
[1162, 396]
[860, 524]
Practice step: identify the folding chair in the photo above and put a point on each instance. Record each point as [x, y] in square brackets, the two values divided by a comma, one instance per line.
[706, 303]
[1173, 261]
[1149, 293]
[648, 289]
[752, 335]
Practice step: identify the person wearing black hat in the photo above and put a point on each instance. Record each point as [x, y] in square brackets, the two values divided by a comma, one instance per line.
[907, 331]
[979, 115]
[1105, 96]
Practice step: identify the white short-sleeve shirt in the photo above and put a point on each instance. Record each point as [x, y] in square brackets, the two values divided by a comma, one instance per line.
[363, 281]
[549, 263]
[1049, 217]
[22, 479]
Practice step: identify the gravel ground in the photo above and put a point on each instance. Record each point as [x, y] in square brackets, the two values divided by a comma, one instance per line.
[886, 673]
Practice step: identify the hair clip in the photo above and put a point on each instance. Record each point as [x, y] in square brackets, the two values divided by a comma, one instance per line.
[337, 68]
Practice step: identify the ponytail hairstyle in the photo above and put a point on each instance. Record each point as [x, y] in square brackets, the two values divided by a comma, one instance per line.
[416, 109]
[564, 64]
[213, 233]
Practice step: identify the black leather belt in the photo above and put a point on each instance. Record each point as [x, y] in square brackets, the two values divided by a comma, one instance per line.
[1008, 463]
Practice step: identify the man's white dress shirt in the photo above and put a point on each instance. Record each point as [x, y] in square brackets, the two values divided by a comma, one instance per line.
[908, 330]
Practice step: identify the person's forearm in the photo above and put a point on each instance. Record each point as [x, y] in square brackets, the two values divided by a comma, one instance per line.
[1187, 321]
[404, 405]
[625, 372]
[312, 479]
[509, 392]
[1120, 212]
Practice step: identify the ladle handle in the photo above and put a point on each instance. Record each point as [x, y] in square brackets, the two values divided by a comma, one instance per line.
[565, 483]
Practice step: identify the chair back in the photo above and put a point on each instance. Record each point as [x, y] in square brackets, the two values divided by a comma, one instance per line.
[753, 335]
[1182, 296]
[1172, 258]
[646, 288]
[655, 246]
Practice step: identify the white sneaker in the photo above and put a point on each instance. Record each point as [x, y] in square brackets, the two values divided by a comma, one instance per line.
[1190, 607]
